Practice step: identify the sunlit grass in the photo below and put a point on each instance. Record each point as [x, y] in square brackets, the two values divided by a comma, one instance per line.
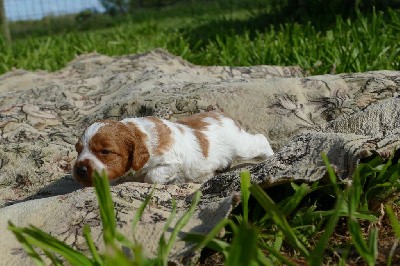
[366, 42]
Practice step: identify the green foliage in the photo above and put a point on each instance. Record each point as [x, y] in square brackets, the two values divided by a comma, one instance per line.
[281, 226]
[279, 219]
[210, 34]
[325, 11]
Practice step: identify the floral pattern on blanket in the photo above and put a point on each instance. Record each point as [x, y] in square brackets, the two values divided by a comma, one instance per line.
[349, 116]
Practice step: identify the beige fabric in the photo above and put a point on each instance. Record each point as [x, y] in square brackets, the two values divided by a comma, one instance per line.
[350, 116]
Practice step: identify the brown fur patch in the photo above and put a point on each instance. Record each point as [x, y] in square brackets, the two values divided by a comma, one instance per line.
[125, 145]
[196, 121]
[116, 141]
[140, 152]
[137, 132]
[164, 133]
[203, 142]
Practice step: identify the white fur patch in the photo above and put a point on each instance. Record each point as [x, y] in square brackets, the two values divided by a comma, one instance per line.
[86, 152]
[91, 131]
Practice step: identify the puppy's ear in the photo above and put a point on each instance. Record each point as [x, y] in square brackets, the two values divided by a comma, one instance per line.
[140, 151]
[140, 155]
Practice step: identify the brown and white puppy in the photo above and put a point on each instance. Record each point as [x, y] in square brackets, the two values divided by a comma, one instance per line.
[161, 151]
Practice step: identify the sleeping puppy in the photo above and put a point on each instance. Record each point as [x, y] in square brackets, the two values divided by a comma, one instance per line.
[160, 151]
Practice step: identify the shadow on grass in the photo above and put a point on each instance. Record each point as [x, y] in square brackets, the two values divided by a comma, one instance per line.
[320, 16]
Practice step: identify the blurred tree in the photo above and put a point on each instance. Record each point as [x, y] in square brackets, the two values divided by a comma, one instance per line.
[325, 12]
[114, 7]
[4, 23]
[344, 7]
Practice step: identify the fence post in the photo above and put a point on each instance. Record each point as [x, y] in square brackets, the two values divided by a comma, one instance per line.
[4, 22]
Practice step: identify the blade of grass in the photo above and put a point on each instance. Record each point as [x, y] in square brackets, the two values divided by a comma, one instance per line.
[209, 242]
[355, 190]
[318, 252]
[90, 243]
[246, 237]
[162, 247]
[106, 206]
[394, 222]
[279, 256]
[262, 259]
[392, 252]
[373, 243]
[140, 210]
[278, 240]
[36, 237]
[353, 225]
[205, 240]
[294, 201]
[124, 241]
[331, 173]
[245, 193]
[26, 245]
[54, 260]
[345, 213]
[115, 256]
[366, 250]
[277, 216]
[140, 259]
[360, 244]
[183, 220]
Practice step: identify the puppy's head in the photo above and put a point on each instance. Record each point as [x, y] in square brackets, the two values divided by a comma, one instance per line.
[112, 147]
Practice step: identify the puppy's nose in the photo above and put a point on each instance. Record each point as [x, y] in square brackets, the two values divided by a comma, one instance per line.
[81, 171]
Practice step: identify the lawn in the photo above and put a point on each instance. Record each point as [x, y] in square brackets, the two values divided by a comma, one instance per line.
[218, 35]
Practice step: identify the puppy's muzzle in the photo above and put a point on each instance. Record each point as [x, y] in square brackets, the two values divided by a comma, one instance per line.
[82, 173]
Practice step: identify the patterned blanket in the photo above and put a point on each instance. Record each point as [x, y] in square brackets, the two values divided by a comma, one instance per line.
[348, 116]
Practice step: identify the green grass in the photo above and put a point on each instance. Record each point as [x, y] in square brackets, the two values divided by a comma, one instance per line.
[300, 227]
[282, 229]
[213, 35]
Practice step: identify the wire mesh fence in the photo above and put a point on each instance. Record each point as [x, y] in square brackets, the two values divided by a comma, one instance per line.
[23, 18]
[33, 17]
[17, 10]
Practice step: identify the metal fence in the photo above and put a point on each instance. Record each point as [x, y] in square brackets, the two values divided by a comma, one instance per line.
[37, 9]
[12, 11]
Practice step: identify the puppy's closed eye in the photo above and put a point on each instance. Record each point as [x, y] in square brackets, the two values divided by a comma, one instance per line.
[105, 151]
